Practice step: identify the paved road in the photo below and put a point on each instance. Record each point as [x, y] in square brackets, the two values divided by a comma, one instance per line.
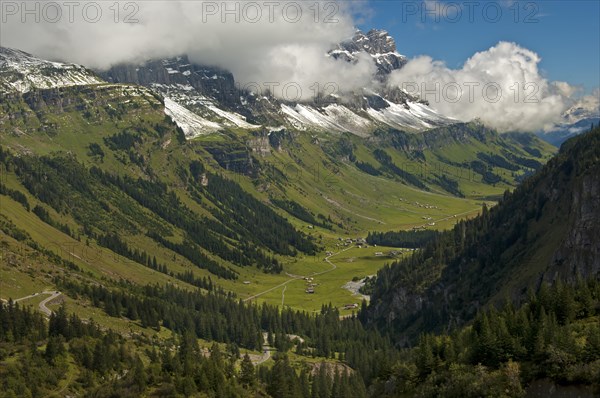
[265, 357]
[266, 351]
[42, 305]
[28, 297]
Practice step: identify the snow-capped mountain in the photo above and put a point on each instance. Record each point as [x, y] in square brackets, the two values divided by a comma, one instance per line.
[22, 72]
[582, 110]
[211, 93]
[203, 99]
[576, 120]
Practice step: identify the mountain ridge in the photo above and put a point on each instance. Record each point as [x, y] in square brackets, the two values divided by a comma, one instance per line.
[359, 112]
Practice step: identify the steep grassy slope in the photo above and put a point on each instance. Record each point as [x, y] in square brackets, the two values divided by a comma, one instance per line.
[546, 230]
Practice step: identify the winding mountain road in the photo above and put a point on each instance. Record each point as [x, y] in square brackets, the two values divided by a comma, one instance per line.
[266, 351]
[265, 357]
[42, 305]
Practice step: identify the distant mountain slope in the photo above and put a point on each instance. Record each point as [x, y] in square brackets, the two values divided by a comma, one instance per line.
[546, 230]
[563, 132]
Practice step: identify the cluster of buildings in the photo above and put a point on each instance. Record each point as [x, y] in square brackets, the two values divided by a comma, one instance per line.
[310, 285]
[359, 242]
[426, 206]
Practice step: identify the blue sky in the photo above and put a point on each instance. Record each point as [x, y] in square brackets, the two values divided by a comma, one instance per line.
[566, 34]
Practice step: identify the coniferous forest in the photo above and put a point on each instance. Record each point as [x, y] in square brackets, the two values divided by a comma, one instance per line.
[551, 334]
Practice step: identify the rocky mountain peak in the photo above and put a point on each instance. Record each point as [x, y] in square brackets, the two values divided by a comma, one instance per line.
[378, 44]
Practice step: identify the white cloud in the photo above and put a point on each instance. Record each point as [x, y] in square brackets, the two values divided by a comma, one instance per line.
[267, 43]
[565, 89]
[502, 86]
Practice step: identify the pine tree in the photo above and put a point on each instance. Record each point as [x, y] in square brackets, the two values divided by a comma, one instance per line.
[59, 323]
[305, 383]
[139, 375]
[565, 304]
[592, 345]
[54, 348]
[323, 381]
[336, 385]
[247, 376]
[100, 361]
[425, 360]
[585, 300]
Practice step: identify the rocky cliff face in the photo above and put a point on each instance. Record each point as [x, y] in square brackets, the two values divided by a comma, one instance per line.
[579, 253]
[210, 81]
[61, 99]
[260, 145]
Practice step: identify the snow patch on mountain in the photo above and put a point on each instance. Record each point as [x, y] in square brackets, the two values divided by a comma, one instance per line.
[302, 116]
[191, 124]
[349, 120]
[22, 72]
[234, 118]
[335, 117]
[204, 107]
[411, 115]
